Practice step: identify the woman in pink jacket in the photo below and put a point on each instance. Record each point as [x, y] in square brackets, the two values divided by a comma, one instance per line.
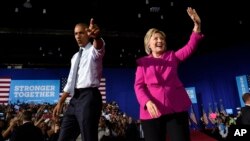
[164, 102]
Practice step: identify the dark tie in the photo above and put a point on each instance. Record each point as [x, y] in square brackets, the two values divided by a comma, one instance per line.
[76, 67]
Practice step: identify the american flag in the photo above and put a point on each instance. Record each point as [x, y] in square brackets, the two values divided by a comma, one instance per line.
[222, 110]
[192, 116]
[4, 89]
[102, 88]
[204, 116]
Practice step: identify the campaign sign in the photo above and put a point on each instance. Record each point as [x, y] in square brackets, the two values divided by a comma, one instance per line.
[192, 94]
[34, 91]
[242, 85]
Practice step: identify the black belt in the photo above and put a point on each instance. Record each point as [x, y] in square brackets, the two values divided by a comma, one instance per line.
[84, 89]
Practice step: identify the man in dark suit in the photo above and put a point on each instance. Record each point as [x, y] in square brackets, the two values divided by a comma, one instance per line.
[27, 131]
[244, 118]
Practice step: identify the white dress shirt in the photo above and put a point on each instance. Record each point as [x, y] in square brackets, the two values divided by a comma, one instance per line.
[90, 69]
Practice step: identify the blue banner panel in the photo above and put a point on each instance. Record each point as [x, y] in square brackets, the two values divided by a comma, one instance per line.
[34, 91]
[192, 94]
[242, 86]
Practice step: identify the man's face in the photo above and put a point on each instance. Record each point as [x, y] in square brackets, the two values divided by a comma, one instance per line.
[81, 35]
[248, 100]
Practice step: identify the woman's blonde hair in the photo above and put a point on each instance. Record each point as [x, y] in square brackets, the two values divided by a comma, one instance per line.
[147, 37]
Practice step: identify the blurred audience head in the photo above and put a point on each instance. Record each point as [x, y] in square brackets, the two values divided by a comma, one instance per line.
[246, 98]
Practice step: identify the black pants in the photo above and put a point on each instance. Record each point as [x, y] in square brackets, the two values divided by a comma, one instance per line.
[175, 125]
[82, 116]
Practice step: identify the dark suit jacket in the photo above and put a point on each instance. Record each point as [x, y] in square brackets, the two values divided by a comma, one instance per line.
[27, 132]
[244, 118]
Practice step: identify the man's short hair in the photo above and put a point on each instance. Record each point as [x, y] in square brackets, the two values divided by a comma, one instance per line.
[27, 115]
[245, 97]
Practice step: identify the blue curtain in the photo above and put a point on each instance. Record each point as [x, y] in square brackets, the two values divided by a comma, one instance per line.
[214, 76]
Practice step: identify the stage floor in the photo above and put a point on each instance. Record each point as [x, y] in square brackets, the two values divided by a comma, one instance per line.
[197, 135]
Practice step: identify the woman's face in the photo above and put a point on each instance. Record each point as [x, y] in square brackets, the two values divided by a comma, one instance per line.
[157, 44]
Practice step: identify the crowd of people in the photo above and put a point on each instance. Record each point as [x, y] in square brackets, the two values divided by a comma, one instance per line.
[114, 125]
[220, 125]
[223, 125]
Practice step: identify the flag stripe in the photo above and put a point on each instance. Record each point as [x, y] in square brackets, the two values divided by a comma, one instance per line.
[4, 94]
[102, 88]
[5, 100]
[103, 92]
[4, 85]
[102, 84]
[4, 89]
[2, 80]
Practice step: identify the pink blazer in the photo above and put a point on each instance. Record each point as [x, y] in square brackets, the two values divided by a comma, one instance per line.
[157, 80]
